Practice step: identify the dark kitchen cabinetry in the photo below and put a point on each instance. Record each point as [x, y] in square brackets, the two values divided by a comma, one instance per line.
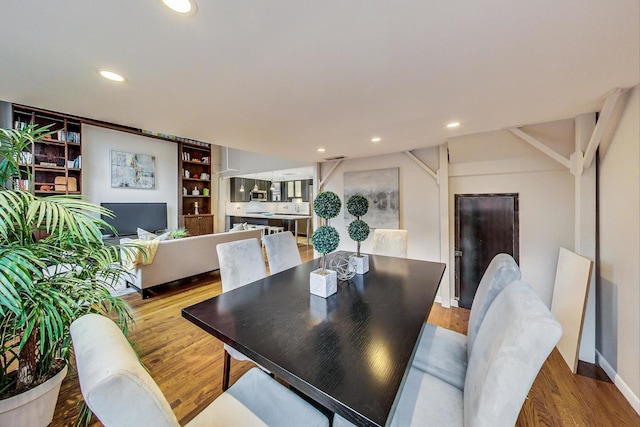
[296, 190]
[247, 184]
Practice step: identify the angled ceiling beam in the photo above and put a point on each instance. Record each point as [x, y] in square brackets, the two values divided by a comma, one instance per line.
[540, 146]
[335, 165]
[420, 163]
[605, 120]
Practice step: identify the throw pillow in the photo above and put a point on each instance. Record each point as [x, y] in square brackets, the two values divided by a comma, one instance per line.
[164, 236]
[146, 235]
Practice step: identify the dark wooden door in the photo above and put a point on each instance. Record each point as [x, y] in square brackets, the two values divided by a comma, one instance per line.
[486, 225]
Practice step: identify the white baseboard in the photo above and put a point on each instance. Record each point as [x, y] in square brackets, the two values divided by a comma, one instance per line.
[622, 386]
[453, 302]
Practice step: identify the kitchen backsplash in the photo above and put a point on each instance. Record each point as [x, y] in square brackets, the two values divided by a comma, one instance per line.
[291, 208]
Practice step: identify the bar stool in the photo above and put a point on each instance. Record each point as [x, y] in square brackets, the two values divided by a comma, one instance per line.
[275, 229]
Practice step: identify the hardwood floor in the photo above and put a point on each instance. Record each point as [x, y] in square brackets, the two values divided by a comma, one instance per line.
[186, 363]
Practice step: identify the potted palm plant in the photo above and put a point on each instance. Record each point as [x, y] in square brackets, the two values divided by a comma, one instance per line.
[358, 205]
[54, 268]
[325, 239]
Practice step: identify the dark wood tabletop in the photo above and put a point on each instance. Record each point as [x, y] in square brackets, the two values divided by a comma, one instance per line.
[349, 352]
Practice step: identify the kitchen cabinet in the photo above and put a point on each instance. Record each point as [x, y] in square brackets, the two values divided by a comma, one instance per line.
[297, 190]
[237, 196]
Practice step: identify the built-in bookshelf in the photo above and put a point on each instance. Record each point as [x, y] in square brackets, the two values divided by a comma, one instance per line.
[55, 162]
[194, 182]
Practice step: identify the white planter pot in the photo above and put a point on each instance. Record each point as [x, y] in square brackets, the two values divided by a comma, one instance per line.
[35, 407]
[323, 283]
[361, 262]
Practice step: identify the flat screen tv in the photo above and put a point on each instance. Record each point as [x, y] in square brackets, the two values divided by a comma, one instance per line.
[128, 217]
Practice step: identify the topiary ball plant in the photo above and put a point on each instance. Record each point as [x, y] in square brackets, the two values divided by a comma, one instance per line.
[358, 231]
[358, 205]
[325, 239]
[327, 205]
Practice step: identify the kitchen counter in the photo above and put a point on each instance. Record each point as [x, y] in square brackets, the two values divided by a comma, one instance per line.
[274, 216]
[285, 217]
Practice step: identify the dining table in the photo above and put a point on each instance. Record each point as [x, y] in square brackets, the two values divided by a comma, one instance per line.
[350, 352]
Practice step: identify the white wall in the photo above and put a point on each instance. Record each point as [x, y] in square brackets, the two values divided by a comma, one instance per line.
[96, 173]
[545, 201]
[618, 284]
[419, 213]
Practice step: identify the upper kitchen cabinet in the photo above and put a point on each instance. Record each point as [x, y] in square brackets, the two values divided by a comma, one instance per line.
[297, 190]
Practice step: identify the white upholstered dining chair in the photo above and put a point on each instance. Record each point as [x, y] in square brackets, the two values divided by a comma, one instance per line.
[444, 353]
[241, 262]
[390, 242]
[516, 337]
[121, 393]
[282, 251]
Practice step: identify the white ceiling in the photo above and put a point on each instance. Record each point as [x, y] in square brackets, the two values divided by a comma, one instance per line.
[284, 77]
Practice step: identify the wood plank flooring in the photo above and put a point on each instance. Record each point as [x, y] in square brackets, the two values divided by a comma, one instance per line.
[186, 363]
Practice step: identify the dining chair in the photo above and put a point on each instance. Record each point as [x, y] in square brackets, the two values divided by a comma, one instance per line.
[282, 251]
[241, 262]
[444, 353]
[390, 242]
[121, 393]
[516, 337]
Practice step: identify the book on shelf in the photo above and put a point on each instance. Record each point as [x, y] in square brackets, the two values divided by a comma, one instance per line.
[22, 184]
[77, 163]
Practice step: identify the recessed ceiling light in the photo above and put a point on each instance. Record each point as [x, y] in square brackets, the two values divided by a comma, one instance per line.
[376, 139]
[453, 124]
[111, 75]
[181, 6]
[321, 150]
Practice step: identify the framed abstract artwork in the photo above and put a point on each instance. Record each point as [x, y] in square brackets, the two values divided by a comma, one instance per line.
[130, 170]
[380, 187]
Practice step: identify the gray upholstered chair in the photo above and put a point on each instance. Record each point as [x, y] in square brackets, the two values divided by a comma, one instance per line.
[390, 242]
[282, 251]
[121, 393]
[516, 337]
[444, 353]
[241, 262]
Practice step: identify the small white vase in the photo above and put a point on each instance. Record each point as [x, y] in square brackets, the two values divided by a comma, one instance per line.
[361, 262]
[323, 283]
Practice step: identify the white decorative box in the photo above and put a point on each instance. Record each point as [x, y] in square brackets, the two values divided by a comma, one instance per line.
[323, 283]
[361, 262]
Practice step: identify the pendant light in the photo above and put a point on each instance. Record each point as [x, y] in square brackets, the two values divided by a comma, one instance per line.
[255, 186]
[242, 186]
[273, 187]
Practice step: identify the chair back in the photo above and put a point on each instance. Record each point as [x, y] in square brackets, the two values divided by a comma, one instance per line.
[241, 262]
[390, 242]
[115, 386]
[282, 251]
[501, 271]
[517, 335]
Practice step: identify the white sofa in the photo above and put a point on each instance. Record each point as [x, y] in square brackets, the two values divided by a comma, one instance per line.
[179, 258]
